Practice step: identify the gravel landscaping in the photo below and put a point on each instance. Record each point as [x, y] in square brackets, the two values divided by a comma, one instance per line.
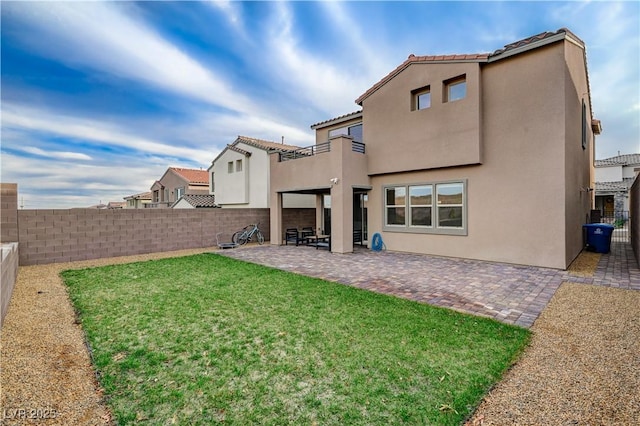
[582, 367]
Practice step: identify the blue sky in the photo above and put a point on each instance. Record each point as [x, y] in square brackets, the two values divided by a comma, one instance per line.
[99, 98]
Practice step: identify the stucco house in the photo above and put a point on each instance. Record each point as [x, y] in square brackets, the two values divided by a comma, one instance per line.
[614, 177]
[176, 182]
[138, 201]
[239, 175]
[485, 156]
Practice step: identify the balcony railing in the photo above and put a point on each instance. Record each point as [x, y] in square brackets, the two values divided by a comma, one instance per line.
[317, 149]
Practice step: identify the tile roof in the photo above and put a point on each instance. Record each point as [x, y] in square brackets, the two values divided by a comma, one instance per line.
[140, 196]
[507, 50]
[339, 119]
[194, 176]
[621, 186]
[619, 160]
[198, 201]
[266, 145]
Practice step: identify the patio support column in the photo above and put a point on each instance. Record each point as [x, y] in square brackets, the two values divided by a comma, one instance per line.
[276, 218]
[342, 200]
[319, 213]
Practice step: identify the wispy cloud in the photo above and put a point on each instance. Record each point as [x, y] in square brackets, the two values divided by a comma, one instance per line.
[56, 154]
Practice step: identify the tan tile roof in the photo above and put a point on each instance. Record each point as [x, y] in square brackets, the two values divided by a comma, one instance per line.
[474, 57]
[619, 160]
[198, 200]
[341, 118]
[267, 145]
[192, 175]
[140, 196]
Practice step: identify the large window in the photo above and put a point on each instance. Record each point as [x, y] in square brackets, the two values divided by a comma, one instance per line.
[354, 131]
[395, 205]
[455, 89]
[435, 207]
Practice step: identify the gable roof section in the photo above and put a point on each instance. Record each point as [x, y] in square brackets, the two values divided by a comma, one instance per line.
[198, 201]
[265, 145]
[508, 50]
[619, 160]
[337, 120]
[193, 176]
[140, 196]
[268, 146]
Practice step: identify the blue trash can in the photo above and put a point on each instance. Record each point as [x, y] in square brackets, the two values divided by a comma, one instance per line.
[599, 237]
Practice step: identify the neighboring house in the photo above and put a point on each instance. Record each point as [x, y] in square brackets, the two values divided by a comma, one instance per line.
[195, 201]
[138, 201]
[175, 183]
[614, 177]
[239, 175]
[116, 205]
[484, 156]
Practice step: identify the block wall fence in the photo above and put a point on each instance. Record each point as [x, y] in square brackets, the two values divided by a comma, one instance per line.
[51, 236]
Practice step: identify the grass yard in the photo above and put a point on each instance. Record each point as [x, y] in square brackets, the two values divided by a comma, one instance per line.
[203, 339]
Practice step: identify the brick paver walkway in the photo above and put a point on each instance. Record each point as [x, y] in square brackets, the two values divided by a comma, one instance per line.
[510, 293]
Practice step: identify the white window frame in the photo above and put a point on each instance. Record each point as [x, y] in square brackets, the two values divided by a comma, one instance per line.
[388, 206]
[179, 192]
[412, 206]
[435, 227]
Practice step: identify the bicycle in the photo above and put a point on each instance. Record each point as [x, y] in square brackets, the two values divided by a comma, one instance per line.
[246, 234]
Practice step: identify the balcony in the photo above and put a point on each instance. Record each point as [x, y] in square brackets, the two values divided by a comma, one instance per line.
[320, 148]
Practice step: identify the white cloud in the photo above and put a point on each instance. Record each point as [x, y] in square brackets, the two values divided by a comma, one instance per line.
[101, 36]
[82, 129]
[57, 154]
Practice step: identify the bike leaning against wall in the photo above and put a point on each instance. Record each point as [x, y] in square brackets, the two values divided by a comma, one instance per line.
[246, 235]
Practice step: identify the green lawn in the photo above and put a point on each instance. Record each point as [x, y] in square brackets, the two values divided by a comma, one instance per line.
[205, 339]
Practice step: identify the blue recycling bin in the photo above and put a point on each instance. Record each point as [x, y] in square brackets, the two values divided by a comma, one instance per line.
[599, 237]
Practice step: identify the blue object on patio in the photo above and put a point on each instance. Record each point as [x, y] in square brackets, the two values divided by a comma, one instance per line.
[376, 242]
[599, 237]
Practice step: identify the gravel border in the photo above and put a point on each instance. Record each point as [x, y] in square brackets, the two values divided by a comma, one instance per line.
[582, 366]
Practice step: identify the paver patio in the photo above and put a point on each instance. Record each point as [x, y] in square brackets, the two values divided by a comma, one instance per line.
[513, 294]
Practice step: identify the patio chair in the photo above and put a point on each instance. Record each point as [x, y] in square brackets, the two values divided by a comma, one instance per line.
[307, 232]
[291, 235]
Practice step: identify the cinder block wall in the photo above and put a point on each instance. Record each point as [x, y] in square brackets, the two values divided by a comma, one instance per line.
[8, 212]
[298, 218]
[51, 236]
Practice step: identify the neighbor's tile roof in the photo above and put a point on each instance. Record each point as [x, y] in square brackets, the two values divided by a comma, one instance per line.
[621, 186]
[266, 145]
[619, 160]
[341, 118]
[199, 201]
[140, 196]
[194, 176]
[474, 57]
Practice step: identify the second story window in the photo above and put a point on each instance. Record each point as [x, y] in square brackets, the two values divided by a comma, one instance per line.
[354, 131]
[230, 167]
[421, 98]
[455, 89]
[238, 165]
[179, 193]
[213, 183]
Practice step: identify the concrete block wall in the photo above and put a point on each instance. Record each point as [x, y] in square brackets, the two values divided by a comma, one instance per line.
[51, 236]
[298, 218]
[8, 275]
[8, 212]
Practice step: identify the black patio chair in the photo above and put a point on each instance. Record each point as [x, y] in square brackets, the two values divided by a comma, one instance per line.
[291, 235]
[307, 232]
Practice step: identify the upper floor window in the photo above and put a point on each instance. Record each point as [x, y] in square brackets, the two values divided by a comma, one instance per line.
[421, 98]
[584, 125]
[212, 182]
[230, 167]
[455, 88]
[238, 165]
[179, 193]
[354, 131]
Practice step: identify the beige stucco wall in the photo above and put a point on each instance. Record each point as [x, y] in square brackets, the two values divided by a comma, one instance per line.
[322, 133]
[445, 134]
[517, 198]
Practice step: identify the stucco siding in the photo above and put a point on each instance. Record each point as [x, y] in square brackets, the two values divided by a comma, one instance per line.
[231, 186]
[446, 134]
[516, 197]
